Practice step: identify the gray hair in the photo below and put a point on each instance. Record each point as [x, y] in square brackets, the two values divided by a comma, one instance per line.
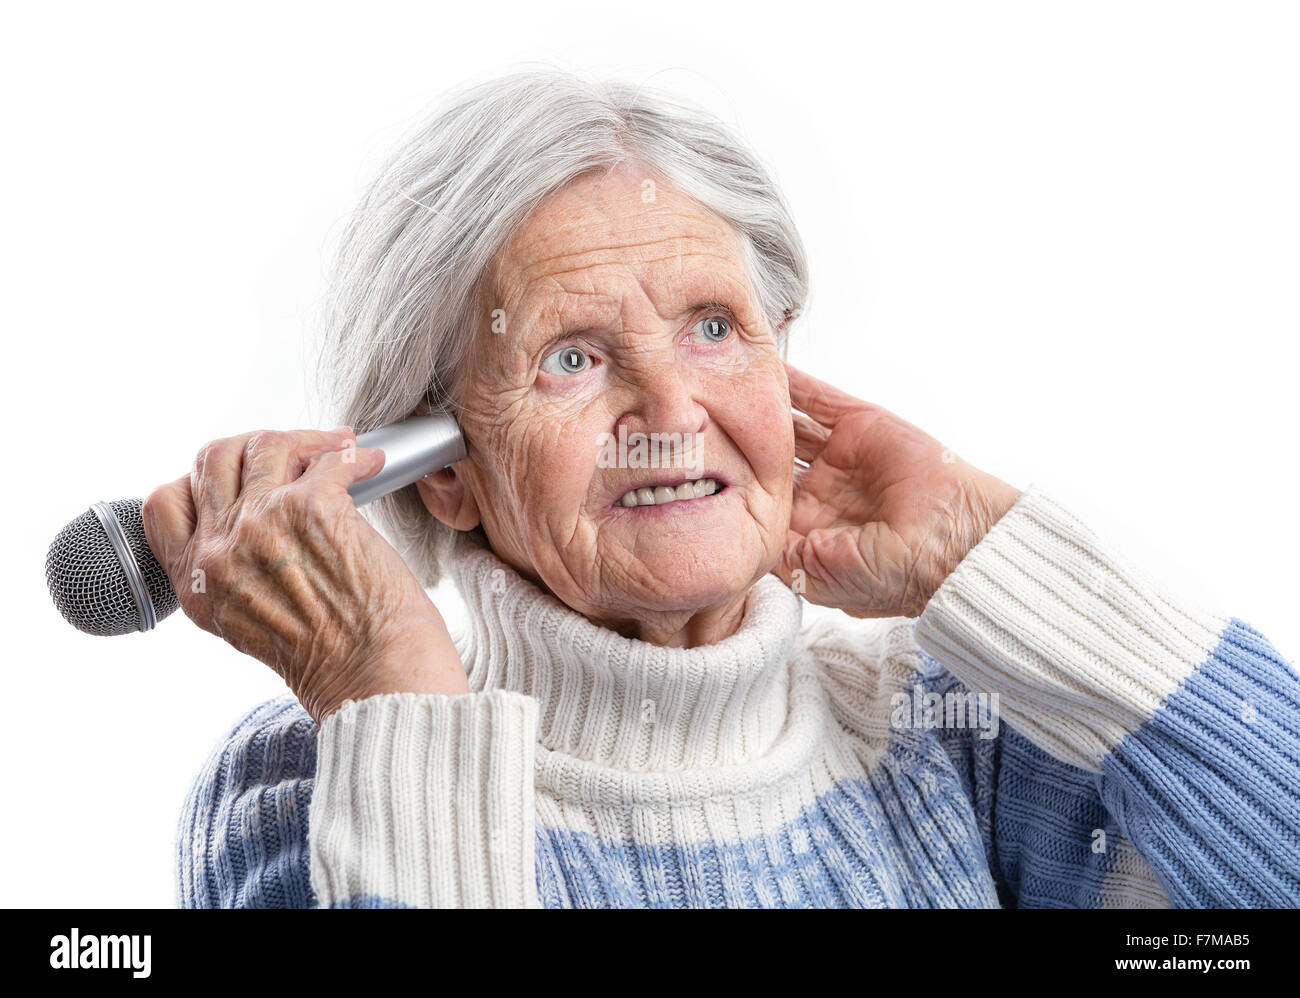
[400, 313]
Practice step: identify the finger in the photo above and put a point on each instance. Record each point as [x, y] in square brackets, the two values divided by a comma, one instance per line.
[215, 480]
[823, 402]
[272, 459]
[799, 568]
[809, 437]
[169, 521]
[340, 468]
[790, 559]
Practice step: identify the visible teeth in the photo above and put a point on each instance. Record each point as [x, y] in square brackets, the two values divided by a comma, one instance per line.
[661, 494]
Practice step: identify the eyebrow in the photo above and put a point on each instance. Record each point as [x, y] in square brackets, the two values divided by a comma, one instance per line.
[580, 312]
[576, 314]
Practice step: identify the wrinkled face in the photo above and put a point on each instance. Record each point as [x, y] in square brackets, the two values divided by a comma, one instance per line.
[623, 348]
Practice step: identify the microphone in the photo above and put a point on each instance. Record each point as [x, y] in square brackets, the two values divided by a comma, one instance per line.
[105, 580]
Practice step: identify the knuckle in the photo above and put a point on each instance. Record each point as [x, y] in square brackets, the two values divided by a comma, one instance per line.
[327, 461]
[262, 441]
[206, 453]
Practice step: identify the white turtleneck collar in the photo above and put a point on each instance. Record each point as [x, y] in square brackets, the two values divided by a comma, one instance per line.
[620, 702]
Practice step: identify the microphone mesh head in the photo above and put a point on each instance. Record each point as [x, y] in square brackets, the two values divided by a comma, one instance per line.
[88, 583]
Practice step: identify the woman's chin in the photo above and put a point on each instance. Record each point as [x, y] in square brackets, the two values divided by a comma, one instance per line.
[703, 549]
[676, 581]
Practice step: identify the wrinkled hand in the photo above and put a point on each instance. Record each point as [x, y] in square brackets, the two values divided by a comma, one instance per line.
[883, 512]
[266, 550]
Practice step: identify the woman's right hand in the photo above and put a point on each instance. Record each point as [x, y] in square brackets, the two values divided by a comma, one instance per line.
[266, 550]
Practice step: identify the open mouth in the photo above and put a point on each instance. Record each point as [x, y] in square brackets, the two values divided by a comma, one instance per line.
[666, 495]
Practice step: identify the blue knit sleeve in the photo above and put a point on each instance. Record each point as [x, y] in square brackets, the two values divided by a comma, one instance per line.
[1048, 836]
[1208, 788]
[242, 837]
[1149, 751]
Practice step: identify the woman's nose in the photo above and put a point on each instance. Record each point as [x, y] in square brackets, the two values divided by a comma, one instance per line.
[663, 399]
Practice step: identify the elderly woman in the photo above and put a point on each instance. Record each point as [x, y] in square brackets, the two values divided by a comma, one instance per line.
[1007, 713]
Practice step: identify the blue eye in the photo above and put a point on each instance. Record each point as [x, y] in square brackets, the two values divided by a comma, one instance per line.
[715, 328]
[571, 360]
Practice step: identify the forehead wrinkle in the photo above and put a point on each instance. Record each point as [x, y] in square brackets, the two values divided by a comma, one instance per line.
[677, 287]
[577, 259]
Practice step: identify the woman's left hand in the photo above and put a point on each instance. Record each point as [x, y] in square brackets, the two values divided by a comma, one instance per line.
[884, 512]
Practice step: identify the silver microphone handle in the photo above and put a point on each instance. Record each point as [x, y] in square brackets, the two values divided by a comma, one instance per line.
[413, 448]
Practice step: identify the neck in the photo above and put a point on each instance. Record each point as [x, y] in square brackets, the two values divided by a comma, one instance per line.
[623, 701]
[682, 629]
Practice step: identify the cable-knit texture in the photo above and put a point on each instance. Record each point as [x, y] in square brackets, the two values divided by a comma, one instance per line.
[404, 768]
[1055, 730]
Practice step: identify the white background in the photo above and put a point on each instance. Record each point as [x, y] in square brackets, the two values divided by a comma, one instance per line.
[1060, 237]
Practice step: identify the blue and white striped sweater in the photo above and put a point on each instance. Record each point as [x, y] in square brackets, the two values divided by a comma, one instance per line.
[1146, 754]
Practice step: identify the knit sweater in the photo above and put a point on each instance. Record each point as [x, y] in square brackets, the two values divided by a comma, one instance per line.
[1056, 729]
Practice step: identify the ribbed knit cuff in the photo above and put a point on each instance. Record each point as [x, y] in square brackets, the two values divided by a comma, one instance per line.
[1080, 646]
[425, 800]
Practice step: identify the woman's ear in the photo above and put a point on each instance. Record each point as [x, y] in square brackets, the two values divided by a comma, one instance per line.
[446, 496]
